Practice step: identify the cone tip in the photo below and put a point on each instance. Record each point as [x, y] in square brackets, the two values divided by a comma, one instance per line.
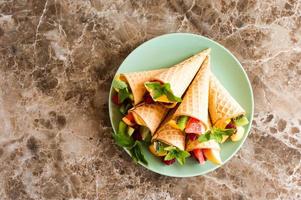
[205, 52]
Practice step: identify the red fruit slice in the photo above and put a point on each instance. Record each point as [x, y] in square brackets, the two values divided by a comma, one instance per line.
[148, 99]
[115, 99]
[192, 136]
[199, 156]
[129, 119]
[168, 162]
[194, 126]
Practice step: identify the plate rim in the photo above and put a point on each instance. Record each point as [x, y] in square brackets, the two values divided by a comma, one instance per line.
[245, 76]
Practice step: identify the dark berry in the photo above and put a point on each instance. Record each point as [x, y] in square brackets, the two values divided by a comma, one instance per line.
[169, 162]
[192, 136]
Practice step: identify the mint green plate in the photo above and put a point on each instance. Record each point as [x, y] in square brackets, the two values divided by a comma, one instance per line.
[167, 50]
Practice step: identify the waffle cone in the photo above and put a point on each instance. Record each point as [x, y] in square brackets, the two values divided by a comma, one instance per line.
[222, 105]
[195, 101]
[136, 82]
[170, 136]
[181, 75]
[151, 114]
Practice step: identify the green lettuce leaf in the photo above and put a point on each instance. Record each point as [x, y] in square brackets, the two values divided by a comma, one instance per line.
[137, 153]
[158, 90]
[174, 152]
[119, 84]
[123, 94]
[124, 140]
[168, 92]
[123, 90]
[215, 134]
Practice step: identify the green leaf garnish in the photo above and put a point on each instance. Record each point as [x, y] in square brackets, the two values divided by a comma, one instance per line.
[123, 94]
[119, 84]
[123, 139]
[215, 134]
[174, 152]
[181, 157]
[157, 90]
[123, 90]
[137, 153]
[241, 121]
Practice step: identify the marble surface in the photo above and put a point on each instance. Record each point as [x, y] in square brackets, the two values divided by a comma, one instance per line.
[57, 59]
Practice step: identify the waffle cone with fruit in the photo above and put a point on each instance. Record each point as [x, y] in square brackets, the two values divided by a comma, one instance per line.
[180, 76]
[171, 136]
[222, 106]
[195, 101]
[136, 82]
[149, 115]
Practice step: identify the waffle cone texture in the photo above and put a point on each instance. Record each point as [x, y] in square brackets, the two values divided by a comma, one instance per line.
[151, 114]
[222, 105]
[195, 100]
[136, 82]
[180, 75]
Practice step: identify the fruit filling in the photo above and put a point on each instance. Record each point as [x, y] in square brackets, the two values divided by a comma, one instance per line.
[162, 92]
[168, 154]
[237, 125]
[136, 130]
[123, 98]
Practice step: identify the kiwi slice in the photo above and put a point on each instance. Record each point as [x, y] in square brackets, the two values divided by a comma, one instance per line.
[182, 122]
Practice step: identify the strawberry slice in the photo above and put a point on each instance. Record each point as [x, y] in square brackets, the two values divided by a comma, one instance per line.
[115, 99]
[168, 162]
[129, 119]
[194, 126]
[199, 156]
[148, 99]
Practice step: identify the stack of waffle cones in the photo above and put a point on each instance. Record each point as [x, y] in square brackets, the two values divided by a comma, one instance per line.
[194, 104]
[204, 93]
[179, 77]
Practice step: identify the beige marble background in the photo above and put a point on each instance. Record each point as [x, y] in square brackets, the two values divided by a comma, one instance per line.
[58, 57]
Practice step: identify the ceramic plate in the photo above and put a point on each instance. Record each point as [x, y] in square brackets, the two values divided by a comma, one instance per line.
[167, 50]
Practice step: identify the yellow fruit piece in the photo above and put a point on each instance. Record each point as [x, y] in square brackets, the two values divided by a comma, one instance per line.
[239, 134]
[138, 119]
[213, 155]
[152, 149]
[222, 123]
[173, 124]
[163, 98]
